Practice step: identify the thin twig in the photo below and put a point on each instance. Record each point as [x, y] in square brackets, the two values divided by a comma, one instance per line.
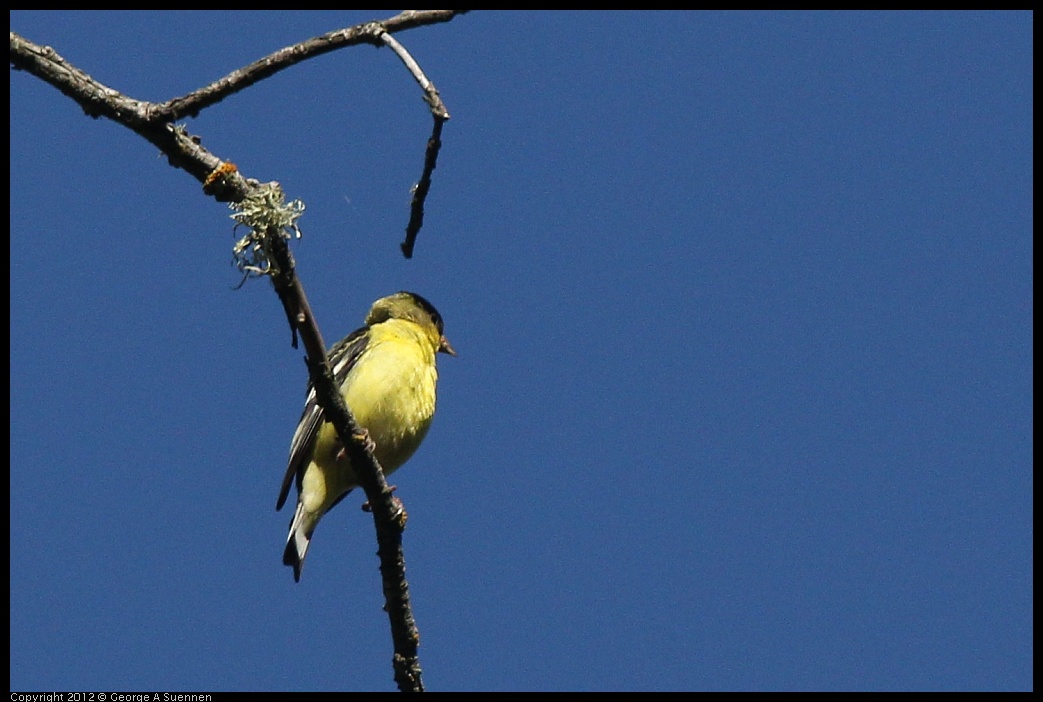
[416, 205]
[431, 95]
[369, 33]
[434, 143]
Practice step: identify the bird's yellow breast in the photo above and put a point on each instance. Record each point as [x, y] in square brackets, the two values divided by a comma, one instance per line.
[391, 393]
[391, 390]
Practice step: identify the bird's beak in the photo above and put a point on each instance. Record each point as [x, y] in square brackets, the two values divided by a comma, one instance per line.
[445, 347]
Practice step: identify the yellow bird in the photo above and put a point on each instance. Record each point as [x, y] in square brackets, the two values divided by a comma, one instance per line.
[386, 373]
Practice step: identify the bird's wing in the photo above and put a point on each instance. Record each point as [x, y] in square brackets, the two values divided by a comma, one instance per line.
[342, 358]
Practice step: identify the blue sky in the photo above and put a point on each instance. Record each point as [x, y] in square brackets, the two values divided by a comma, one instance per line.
[743, 307]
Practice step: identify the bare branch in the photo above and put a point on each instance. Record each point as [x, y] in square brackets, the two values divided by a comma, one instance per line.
[154, 121]
[223, 181]
[420, 190]
[431, 95]
[369, 33]
[434, 143]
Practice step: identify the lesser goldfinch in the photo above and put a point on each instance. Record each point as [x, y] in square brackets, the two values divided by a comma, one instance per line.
[386, 373]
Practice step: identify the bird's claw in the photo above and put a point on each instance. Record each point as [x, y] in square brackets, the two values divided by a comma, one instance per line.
[398, 514]
[363, 436]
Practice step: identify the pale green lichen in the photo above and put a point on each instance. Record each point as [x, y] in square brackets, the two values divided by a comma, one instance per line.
[265, 213]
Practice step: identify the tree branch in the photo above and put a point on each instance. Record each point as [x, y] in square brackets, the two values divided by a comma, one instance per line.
[223, 181]
[440, 114]
[369, 33]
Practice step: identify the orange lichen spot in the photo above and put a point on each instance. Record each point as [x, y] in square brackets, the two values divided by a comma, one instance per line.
[224, 170]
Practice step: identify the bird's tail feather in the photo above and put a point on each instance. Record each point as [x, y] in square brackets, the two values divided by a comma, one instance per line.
[297, 542]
